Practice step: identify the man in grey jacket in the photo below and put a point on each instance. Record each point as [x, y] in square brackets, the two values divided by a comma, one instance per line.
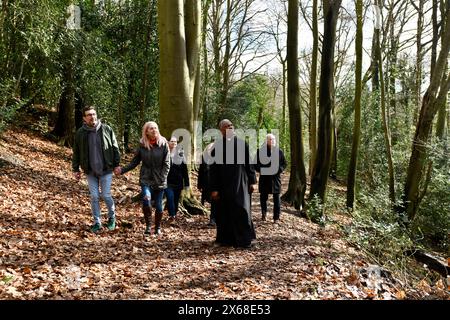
[96, 151]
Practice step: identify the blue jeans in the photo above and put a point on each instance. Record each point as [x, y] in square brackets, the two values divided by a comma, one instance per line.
[101, 186]
[173, 198]
[149, 194]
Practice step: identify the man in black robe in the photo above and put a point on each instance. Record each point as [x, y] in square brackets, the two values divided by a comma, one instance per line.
[270, 163]
[233, 180]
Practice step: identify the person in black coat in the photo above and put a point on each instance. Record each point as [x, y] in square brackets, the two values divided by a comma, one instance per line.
[270, 163]
[233, 179]
[177, 179]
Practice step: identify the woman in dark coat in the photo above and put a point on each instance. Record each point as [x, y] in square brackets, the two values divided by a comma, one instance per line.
[177, 179]
[270, 164]
[154, 154]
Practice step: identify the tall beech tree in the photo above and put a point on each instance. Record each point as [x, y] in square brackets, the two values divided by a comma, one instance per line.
[297, 182]
[179, 44]
[321, 169]
[351, 178]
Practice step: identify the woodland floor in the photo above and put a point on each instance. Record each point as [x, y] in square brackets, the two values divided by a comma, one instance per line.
[48, 252]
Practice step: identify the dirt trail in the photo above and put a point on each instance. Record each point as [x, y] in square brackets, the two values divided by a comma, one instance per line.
[47, 251]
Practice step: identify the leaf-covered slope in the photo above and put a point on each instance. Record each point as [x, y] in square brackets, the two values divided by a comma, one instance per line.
[47, 251]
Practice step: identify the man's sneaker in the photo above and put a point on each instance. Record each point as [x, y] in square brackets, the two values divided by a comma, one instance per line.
[111, 224]
[96, 227]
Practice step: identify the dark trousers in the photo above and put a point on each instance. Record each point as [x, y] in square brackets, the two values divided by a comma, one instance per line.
[276, 204]
[213, 214]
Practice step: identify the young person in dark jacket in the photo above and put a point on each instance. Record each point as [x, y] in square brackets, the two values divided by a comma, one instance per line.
[95, 150]
[270, 163]
[177, 179]
[154, 154]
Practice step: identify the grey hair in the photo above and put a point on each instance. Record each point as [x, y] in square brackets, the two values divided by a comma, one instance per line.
[270, 135]
[224, 122]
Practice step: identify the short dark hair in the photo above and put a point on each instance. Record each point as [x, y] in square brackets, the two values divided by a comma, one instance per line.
[87, 108]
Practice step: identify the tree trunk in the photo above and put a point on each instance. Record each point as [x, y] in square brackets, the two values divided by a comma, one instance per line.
[283, 118]
[225, 76]
[392, 66]
[353, 165]
[65, 124]
[193, 25]
[442, 113]
[143, 97]
[297, 182]
[374, 60]
[3, 14]
[174, 87]
[386, 130]
[79, 105]
[180, 42]
[321, 169]
[438, 88]
[204, 85]
[419, 58]
[313, 90]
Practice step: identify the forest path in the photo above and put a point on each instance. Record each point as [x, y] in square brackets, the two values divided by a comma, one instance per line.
[47, 251]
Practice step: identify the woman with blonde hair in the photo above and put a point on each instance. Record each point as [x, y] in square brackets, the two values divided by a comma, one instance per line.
[154, 154]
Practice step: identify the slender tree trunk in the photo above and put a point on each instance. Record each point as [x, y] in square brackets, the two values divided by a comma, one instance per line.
[79, 104]
[65, 124]
[143, 97]
[374, 64]
[3, 15]
[205, 84]
[225, 84]
[419, 58]
[193, 24]
[283, 119]
[353, 165]
[334, 131]
[128, 117]
[215, 29]
[392, 66]
[442, 113]
[319, 178]
[386, 130]
[193, 27]
[297, 182]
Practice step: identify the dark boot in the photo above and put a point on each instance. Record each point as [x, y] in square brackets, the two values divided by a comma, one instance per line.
[158, 218]
[263, 216]
[148, 219]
